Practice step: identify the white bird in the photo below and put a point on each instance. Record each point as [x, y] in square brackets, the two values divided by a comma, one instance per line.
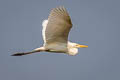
[55, 34]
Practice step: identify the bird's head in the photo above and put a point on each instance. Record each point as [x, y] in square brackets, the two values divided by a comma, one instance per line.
[75, 45]
[73, 48]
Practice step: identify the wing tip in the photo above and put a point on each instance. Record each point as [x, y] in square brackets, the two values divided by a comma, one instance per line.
[62, 8]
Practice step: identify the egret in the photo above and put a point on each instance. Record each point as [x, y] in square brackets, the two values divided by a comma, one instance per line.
[55, 34]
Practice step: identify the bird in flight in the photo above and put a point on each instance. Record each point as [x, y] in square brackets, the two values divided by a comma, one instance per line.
[55, 34]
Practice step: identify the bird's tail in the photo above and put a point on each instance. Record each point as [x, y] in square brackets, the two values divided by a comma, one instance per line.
[25, 53]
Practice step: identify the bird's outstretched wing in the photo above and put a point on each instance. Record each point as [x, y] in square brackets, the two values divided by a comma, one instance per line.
[58, 26]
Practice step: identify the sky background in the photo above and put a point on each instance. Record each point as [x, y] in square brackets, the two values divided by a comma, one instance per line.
[96, 23]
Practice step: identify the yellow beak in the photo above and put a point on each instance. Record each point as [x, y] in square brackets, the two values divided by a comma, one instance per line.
[81, 46]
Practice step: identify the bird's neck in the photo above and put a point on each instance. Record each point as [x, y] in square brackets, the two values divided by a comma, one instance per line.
[72, 51]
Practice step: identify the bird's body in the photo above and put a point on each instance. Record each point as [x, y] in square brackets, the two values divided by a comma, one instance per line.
[55, 34]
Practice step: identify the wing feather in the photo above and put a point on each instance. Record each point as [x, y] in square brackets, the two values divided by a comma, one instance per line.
[58, 26]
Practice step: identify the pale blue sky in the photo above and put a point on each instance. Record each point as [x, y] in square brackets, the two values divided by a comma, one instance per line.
[95, 23]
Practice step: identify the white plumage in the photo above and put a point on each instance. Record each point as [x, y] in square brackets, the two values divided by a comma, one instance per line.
[55, 34]
[44, 24]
